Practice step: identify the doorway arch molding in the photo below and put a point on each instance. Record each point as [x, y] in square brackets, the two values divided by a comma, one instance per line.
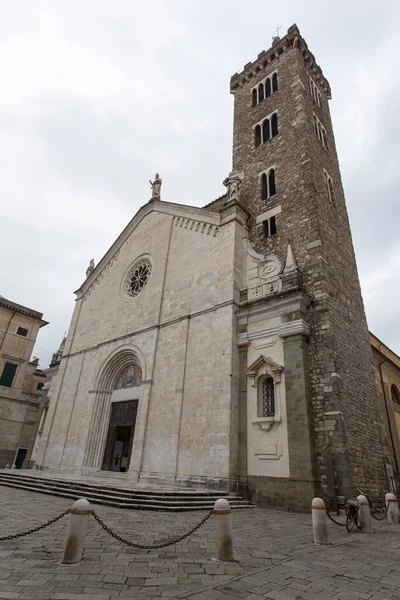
[122, 357]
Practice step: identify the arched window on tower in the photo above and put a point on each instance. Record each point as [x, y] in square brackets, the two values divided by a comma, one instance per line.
[271, 183]
[274, 124]
[395, 394]
[266, 131]
[254, 97]
[264, 187]
[261, 92]
[275, 82]
[257, 135]
[268, 87]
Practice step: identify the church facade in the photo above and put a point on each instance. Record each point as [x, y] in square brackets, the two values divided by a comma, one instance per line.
[226, 347]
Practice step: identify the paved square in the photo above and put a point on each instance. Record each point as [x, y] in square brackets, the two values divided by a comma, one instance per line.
[276, 558]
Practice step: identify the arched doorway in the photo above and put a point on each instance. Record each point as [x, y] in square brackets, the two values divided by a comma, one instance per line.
[116, 404]
[122, 421]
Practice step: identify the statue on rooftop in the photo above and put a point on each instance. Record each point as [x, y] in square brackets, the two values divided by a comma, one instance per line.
[233, 184]
[90, 268]
[156, 187]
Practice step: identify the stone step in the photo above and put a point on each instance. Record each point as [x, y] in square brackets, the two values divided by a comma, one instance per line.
[120, 493]
[128, 499]
[119, 490]
[120, 499]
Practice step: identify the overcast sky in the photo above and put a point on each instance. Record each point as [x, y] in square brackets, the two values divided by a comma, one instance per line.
[98, 95]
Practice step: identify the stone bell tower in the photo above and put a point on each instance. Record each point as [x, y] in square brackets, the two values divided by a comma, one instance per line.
[284, 151]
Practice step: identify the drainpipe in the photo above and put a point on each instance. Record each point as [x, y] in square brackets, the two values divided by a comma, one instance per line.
[7, 328]
[387, 411]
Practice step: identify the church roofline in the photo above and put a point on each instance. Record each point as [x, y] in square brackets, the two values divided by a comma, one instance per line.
[268, 57]
[211, 216]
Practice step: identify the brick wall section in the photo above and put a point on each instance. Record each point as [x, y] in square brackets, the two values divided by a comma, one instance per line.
[342, 378]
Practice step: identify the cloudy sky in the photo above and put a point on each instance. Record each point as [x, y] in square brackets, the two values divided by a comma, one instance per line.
[97, 95]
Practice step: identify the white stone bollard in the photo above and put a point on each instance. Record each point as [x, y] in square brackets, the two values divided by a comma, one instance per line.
[319, 524]
[223, 529]
[392, 506]
[7, 466]
[76, 533]
[364, 514]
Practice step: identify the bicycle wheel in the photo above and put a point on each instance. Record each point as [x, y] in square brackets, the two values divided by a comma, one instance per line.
[349, 522]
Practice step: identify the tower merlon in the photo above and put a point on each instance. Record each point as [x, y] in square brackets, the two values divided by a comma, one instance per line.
[270, 58]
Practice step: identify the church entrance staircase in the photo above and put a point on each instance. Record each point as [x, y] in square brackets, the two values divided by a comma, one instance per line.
[118, 492]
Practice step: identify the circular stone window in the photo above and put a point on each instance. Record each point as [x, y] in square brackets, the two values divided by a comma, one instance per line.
[138, 277]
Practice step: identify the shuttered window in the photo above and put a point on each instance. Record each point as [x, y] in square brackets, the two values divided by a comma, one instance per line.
[7, 375]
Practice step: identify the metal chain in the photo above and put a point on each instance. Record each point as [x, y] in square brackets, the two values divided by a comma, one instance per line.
[157, 546]
[23, 533]
[332, 519]
[377, 510]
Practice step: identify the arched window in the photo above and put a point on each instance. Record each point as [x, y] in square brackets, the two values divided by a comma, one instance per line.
[274, 125]
[130, 376]
[264, 188]
[268, 398]
[261, 92]
[316, 125]
[275, 82]
[268, 88]
[395, 394]
[330, 189]
[257, 135]
[254, 97]
[271, 183]
[266, 131]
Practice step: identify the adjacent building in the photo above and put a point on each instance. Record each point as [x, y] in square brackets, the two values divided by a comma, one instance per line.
[21, 382]
[387, 367]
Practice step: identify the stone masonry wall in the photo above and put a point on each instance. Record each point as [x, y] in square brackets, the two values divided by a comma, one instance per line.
[343, 385]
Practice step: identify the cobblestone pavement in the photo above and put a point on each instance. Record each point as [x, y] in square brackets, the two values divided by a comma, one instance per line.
[276, 558]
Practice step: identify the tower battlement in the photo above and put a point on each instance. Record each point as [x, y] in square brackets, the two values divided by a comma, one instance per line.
[268, 59]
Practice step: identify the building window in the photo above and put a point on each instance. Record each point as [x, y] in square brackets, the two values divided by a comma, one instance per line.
[329, 186]
[395, 394]
[268, 88]
[314, 91]
[269, 227]
[264, 187]
[320, 130]
[275, 82]
[271, 183]
[268, 188]
[266, 131]
[22, 331]
[261, 92]
[268, 398]
[269, 129]
[274, 124]
[40, 386]
[265, 89]
[7, 375]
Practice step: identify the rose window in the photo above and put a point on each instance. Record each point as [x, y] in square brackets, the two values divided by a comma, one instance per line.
[138, 277]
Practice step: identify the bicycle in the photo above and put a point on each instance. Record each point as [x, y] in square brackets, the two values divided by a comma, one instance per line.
[351, 509]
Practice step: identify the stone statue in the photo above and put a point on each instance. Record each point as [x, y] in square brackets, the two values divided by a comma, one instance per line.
[90, 268]
[156, 186]
[233, 184]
